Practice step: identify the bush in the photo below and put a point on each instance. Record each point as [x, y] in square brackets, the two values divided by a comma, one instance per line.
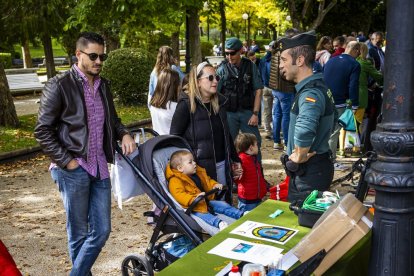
[206, 49]
[129, 71]
[6, 59]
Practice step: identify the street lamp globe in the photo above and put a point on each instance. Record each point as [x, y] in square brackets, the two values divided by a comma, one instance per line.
[288, 18]
[206, 6]
[245, 16]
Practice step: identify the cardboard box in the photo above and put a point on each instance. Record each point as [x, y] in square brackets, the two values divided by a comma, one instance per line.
[337, 231]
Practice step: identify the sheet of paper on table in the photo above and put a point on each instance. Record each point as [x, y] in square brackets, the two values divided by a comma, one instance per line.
[267, 232]
[246, 251]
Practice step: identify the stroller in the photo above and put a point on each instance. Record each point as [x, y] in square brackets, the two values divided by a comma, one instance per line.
[172, 222]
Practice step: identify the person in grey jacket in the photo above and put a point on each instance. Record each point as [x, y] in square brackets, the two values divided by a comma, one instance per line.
[77, 128]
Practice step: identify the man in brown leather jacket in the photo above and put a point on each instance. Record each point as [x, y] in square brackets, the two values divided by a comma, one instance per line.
[78, 127]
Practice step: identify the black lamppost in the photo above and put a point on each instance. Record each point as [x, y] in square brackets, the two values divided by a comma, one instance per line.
[245, 16]
[392, 176]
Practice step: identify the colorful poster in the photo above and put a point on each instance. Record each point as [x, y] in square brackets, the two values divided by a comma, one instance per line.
[267, 232]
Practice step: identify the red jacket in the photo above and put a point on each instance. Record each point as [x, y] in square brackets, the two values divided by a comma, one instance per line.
[252, 184]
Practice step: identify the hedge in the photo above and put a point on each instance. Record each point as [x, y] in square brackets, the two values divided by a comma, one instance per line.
[129, 71]
[6, 59]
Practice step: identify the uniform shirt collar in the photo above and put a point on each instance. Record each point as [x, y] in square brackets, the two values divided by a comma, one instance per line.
[305, 81]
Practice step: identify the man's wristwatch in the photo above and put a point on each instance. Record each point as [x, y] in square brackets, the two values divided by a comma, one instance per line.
[256, 113]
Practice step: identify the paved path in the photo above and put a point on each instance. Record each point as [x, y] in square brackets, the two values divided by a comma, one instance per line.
[28, 104]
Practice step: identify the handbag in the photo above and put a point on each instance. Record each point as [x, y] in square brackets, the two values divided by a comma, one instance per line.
[124, 182]
[347, 120]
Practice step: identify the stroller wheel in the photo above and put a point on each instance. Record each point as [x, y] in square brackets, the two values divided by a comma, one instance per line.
[136, 265]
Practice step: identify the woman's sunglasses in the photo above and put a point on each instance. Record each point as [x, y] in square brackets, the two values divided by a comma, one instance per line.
[211, 77]
[94, 56]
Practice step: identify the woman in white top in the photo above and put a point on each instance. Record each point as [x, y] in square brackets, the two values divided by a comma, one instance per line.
[165, 60]
[323, 50]
[164, 101]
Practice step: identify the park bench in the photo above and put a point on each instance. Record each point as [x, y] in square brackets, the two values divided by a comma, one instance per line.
[215, 60]
[21, 83]
[59, 61]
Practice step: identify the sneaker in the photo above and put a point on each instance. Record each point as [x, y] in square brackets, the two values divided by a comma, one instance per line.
[269, 137]
[339, 167]
[222, 225]
[278, 146]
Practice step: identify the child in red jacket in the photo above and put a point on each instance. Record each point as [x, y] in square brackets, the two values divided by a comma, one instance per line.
[251, 187]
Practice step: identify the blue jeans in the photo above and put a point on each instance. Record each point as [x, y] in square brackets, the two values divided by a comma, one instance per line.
[282, 102]
[87, 202]
[238, 121]
[247, 206]
[219, 207]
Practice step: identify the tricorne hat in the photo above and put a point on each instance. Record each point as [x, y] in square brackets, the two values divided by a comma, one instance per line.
[308, 38]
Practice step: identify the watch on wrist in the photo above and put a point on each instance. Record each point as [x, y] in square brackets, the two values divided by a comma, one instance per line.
[256, 113]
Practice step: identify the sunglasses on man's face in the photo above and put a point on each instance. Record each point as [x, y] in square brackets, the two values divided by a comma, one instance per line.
[94, 56]
[230, 53]
[211, 77]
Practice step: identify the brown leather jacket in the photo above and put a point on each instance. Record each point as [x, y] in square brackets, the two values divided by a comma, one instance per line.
[62, 129]
[276, 82]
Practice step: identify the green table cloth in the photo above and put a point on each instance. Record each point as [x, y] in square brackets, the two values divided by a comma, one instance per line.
[199, 262]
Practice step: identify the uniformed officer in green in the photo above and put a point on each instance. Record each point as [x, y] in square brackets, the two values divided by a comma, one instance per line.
[241, 84]
[311, 119]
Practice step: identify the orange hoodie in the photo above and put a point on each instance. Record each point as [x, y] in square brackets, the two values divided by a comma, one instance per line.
[184, 190]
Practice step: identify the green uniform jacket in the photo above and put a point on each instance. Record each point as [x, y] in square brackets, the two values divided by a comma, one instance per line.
[311, 127]
[367, 70]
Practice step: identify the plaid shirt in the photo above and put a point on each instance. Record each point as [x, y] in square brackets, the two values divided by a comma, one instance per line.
[96, 159]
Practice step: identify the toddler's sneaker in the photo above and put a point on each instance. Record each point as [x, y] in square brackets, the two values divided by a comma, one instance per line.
[222, 225]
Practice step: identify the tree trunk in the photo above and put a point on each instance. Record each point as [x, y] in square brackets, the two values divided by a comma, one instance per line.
[8, 115]
[175, 44]
[27, 59]
[194, 33]
[50, 63]
[223, 26]
[274, 32]
[112, 41]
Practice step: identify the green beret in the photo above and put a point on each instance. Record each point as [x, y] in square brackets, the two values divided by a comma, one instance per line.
[233, 43]
[308, 38]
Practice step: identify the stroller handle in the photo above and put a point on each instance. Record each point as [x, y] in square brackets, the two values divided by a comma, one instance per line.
[199, 198]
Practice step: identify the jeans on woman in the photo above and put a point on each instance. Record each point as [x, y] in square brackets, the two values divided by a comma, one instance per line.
[282, 102]
[87, 202]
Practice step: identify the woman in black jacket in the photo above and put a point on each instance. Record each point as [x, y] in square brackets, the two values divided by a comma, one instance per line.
[201, 119]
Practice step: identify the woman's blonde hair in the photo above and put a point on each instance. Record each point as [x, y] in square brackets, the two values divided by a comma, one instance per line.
[193, 90]
[165, 59]
[167, 88]
[363, 50]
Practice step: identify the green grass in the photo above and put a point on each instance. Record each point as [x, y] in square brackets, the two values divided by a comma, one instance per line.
[38, 52]
[18, 138]
[22, 137]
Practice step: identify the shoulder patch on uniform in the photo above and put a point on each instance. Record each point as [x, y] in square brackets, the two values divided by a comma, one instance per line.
[310, 99]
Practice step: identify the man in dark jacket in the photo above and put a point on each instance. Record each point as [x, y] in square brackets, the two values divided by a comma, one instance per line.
[241, 84]
[78, 127]
[375, 51]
